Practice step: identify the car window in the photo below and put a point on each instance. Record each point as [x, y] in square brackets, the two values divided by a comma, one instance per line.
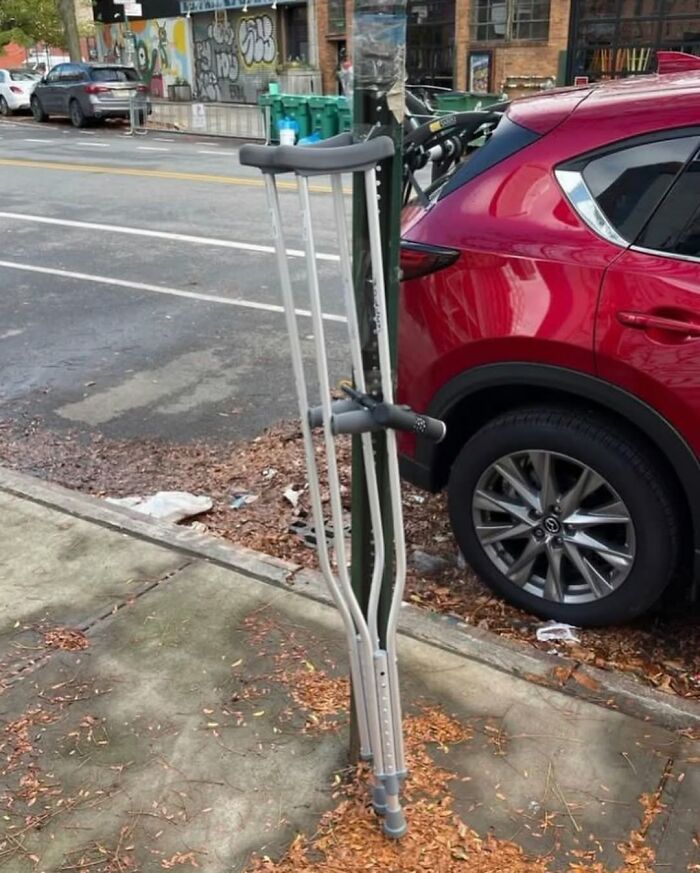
[21, 76]
[114, 74]
[71, 73]
[3, 76]
[628, 184]
[675, 226]
[55, 73]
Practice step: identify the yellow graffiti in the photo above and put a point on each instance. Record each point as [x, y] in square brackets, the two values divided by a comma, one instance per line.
[179, 36]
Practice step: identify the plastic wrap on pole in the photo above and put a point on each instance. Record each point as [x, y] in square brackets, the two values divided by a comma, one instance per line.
[379, 50]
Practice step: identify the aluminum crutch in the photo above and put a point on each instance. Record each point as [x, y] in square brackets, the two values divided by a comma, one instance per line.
[374, 671]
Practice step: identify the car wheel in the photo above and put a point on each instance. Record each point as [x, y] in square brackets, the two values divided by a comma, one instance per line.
[37, 110]
[4, 107]
[77, 116]
[565, 516]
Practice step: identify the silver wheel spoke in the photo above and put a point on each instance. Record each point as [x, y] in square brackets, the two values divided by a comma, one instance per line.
[611, 554]
[553, 589]
[543, 463]
[508, 470]
[611, 513]
[498, 503]
[595, 580]
[587, 483]
[521, 569]
[491, 533]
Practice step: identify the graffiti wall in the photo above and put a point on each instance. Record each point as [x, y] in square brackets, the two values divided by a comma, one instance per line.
[235, 55]
[161, 54]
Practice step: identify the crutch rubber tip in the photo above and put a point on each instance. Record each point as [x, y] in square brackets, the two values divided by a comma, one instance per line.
[395, 824]
[379, 799]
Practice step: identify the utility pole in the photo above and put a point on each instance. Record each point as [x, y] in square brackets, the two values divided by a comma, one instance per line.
[378, 59]
[66, 9]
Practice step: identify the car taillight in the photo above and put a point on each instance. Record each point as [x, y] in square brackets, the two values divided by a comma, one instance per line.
[16, 89]
[418, 259]
[142, 89]
[96, 89]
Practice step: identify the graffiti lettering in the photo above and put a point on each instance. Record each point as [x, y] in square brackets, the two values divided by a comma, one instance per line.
[216, 63]
[256, 40]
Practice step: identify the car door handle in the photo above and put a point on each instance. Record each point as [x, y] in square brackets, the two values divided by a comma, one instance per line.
[648, 321]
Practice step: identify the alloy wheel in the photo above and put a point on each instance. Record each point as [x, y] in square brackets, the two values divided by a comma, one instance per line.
[553, 526]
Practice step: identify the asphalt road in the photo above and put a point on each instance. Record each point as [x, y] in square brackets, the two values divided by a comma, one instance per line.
[139, 291]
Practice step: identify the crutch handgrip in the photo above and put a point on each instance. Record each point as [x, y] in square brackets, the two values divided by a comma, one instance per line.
[403, 418]
[356, 421]
[337, 407]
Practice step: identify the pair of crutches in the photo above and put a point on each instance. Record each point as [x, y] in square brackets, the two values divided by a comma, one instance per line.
[373, 669]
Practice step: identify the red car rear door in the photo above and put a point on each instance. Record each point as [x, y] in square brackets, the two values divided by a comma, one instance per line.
[648, 323]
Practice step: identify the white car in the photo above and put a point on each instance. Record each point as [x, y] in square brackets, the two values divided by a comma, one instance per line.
[16, 88]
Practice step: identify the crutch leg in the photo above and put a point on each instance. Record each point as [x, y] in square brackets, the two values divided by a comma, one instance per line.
[359, 682]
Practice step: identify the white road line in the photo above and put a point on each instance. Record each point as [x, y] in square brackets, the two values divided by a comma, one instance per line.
[161, 289]
[151, 149]
[161, 234]
[47, 141]
[94, 145]
[162, 139]
[212, 152]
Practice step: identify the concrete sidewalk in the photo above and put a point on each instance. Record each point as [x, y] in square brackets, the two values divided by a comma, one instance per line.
[161, 712]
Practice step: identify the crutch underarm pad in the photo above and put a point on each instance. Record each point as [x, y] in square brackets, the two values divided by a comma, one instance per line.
[313, 161]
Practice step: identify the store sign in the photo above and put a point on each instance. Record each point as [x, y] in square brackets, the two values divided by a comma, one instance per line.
[133, 9]
[188, 6]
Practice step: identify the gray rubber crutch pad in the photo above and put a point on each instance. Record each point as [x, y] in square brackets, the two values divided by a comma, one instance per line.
[311, 160]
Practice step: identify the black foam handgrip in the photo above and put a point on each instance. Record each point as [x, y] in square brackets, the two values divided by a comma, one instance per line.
[402, 418]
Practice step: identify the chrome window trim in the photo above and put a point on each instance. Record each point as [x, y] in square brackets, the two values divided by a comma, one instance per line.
[694, 259]
[580, 197]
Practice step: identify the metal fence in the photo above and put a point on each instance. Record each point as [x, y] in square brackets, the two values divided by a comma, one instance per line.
[240, 120]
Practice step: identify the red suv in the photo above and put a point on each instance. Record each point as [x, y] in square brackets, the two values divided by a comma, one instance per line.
[550, 314]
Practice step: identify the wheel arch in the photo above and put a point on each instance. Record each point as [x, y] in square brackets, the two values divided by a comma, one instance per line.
[475, 396]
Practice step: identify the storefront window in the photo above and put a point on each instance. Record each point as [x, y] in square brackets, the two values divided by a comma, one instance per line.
[613, 38]
[496, 20]
[430, 42]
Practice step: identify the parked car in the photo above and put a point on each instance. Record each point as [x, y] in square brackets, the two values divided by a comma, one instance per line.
[550, 314]
[87, 92]
[16, 88]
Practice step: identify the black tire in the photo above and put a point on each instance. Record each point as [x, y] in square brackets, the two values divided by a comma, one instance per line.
[38, 110]
[4, 107]
[77, 116]
[624, 462]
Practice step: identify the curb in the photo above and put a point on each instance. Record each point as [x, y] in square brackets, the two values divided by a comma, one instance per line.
[608, 689]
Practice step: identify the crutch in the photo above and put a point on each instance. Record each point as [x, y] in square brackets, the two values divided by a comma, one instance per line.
[373, 669]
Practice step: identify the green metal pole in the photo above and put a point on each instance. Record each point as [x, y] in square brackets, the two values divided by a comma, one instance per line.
[378, 45]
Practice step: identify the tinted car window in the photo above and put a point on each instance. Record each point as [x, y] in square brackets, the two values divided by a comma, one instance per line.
[55, 73]
[675, 226]
[71, 73]
[114, 74]
[629, 184]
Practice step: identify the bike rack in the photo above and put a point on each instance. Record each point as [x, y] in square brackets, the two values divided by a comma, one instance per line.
[373, 668]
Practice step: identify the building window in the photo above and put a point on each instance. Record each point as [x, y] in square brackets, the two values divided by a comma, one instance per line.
[430, 42]
[336, 16]
[611, 39]
[506, 20]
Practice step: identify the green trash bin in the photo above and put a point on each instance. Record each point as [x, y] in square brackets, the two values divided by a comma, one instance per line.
[344, 109]
[324, 116]
[296, 106]
[271, 108]
[465, 101]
